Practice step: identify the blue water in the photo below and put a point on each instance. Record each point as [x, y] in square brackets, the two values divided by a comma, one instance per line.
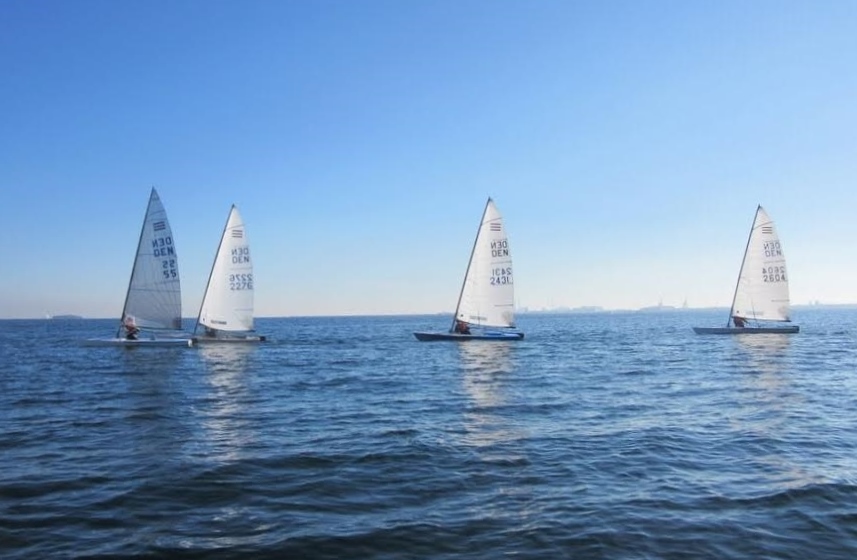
[598, 436]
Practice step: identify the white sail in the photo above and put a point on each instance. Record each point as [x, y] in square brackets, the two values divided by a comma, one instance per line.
[228, 301]
[154, 292]
[488, 294]
[762, 292]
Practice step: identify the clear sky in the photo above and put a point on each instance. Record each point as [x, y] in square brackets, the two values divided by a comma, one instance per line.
[627, 144]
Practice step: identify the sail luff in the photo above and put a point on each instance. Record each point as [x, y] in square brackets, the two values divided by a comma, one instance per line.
[743, 261]
[213, 265]
[152, 195]
[469, 263]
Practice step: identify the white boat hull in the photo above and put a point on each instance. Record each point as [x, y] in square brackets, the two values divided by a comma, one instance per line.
[791, 329]
[145, 342]
[228, 339]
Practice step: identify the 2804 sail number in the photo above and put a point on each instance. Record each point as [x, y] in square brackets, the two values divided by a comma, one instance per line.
[774, 274]
[240, 282]
[501, 276]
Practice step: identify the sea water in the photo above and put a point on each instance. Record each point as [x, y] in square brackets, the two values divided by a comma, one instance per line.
[614, 435]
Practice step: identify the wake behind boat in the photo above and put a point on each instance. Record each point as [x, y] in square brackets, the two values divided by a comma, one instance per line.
[151, 315]
[761, 298]
[486, 303]
[226, 313]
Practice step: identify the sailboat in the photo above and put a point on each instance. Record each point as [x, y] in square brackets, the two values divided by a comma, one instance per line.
[151, 315]
[226, 313]
[486, 303]
[761, 297]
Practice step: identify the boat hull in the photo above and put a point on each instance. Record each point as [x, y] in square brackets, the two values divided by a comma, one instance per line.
[140, 342]
[490, 335]
[791, 329]
[228, 339]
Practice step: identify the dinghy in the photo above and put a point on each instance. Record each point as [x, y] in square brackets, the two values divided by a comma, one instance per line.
[761, 298]
[226, 313]
[486, 303]
[151, 315]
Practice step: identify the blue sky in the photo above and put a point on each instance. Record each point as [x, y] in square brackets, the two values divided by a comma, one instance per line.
[626, 143]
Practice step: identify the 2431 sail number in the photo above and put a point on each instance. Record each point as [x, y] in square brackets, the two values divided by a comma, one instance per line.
[774, 274]
[240, 282]
[501, 276]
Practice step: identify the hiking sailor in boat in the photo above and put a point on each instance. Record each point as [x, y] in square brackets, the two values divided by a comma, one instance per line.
[739, 322]
[131, 328]
[462, 328]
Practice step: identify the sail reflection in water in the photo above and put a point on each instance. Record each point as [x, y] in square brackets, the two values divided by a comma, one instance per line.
[226, 426]
[765, 408]
[765, 353]
[486, 368]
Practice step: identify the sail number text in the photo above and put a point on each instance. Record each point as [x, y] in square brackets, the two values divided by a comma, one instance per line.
[774, 274]
[501, 276]
[499, 248]
[163, 247]
[240, 255]
[773, 249]
[240, 282]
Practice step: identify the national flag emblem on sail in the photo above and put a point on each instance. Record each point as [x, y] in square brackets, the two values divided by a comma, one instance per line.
[768, 229]
[238, 233]
[496, 226]
[159, 226]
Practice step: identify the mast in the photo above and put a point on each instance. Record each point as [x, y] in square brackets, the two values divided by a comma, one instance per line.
[213, 264]
[152, 196]
[741, 270]
[467, 271]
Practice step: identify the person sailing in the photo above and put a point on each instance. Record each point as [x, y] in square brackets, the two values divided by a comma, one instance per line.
[461, 327]
[131, 328]
[739, 322]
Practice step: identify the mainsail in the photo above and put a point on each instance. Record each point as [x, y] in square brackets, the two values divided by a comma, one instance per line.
[762, 292]
[488, 294]
[154, 291]
[228, 301]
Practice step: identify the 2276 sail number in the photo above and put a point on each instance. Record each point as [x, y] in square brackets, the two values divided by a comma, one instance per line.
[240, 282]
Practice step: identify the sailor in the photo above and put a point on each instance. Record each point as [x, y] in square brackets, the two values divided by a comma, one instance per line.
[462, 328]
[131, 328]
[739, 322]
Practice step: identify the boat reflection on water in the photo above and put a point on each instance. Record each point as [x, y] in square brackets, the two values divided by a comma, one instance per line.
[766, 405]
[765, 353]
[227, 358]
[225, 425]
[486, 368]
